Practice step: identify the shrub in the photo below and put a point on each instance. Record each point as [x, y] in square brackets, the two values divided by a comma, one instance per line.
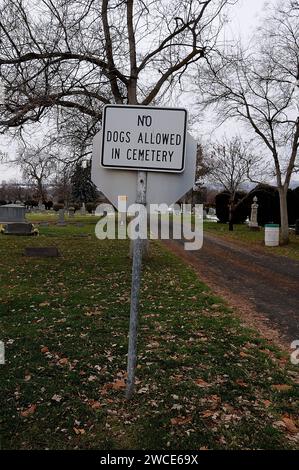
[222, 210]
[90, 206]
[269, 207]
[58, 206]
[48, 204]
[31, 203]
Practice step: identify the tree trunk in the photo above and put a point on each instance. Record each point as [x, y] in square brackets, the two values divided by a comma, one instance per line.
[40, 191]
[284, 220]
[230, 217]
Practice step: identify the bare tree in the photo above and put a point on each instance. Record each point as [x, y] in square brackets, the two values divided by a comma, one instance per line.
[61, 184]
[231, 164]
[261, 89]
[37, 165]
[67, 58]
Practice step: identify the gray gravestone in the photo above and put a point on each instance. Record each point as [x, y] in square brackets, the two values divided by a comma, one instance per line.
[83, 209]
[12, 213]
[61, 220]
[253, 224]
[42, 251]
[19, 228]
[71, 212]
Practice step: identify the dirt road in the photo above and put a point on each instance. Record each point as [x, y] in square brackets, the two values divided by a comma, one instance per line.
[264, 288]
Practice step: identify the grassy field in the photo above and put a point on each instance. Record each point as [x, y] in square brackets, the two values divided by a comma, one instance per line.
[203, 381]
[242, 234]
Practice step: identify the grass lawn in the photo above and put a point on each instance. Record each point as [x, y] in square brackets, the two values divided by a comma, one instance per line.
[203, 381]
[242, 233]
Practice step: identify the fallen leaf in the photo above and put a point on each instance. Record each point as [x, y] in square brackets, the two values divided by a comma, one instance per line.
[63, 361]
[241, 383]
[44, 350]
[290, 425]
[181, 420]
[267, 403]
[177, 407]
[95, 405]
[207, 414]
[119, 384]
[201, 383]
[243, 354]
[282, 387]
[30, 411]
[79, 431]
[92, 378]
[56, 398]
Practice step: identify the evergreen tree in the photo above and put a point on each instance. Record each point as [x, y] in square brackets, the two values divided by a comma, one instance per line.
[83, 189]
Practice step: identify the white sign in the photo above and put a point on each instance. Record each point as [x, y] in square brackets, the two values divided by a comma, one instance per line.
[144, 138]
[161, 187]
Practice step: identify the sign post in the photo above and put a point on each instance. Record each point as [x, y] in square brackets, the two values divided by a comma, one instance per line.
[152, 143]
[135, 289]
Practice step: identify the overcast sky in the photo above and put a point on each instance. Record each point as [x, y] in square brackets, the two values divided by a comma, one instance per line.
[244, 17]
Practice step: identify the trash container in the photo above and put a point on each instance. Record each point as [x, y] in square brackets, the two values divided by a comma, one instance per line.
[272, 235]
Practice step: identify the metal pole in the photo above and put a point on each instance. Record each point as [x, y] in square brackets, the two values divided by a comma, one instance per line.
[136, 278]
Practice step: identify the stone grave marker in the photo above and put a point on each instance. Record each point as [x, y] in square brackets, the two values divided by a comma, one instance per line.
[253, 224]
[83, 209]
[61, 220]
[12, 213]
[41, 251]
[20, 229]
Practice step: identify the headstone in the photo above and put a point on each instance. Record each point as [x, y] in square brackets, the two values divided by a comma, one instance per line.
[61, 220]
[12, 213]
[83, 209]
[42, 251]
[44, 224]
[71, 212]
[41, 207]
[19, 228]
[204, 214]
[253, 224]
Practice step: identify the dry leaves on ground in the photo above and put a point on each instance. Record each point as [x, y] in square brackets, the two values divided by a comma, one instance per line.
[29, 411]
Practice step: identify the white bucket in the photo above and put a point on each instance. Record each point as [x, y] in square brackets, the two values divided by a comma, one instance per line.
[272, 235]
